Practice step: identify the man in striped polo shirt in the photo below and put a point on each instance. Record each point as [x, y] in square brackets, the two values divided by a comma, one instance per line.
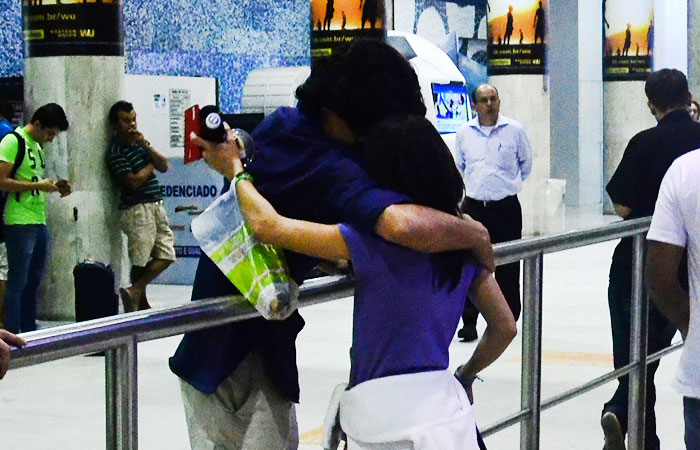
[132, 161]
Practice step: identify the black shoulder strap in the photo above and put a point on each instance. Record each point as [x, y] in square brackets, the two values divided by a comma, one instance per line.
[21, 150]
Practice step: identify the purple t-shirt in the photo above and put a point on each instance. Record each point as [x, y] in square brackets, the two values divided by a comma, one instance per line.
[403, 321]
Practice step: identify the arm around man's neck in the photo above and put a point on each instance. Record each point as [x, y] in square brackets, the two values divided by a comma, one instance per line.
[427, 230]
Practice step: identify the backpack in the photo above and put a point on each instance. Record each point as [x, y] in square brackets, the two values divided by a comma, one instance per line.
[21, 150]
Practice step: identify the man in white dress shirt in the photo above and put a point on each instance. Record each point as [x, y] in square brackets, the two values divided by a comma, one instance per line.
[495, 157]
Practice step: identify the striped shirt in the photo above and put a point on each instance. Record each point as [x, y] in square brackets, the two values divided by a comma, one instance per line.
[123, 159]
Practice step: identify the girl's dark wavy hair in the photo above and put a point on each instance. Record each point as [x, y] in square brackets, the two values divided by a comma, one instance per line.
[362, 82]
[405, 153]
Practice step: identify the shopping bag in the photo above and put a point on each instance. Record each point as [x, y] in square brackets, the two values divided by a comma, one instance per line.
[259, 271]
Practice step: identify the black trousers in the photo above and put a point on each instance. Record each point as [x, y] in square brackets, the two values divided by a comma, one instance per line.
[661, 333]
[504, 220]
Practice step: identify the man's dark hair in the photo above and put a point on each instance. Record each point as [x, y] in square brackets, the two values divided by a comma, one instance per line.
[363, 82]
[667, 88]
[51, 115]
[120, 106]
[6, 110]
[406, 154]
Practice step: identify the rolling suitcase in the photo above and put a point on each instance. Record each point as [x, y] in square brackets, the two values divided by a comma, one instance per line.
[95, 295]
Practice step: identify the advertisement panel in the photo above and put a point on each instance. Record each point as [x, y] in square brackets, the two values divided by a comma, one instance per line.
[628, 31]
[72, 28]
[334, 22]
[516, 39]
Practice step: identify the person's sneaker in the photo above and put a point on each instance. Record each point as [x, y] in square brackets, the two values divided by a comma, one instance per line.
[468, 333]
[614, 439]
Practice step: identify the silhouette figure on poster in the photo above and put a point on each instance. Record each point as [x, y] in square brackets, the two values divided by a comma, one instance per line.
[520, 41]
[479, 13]
[509, 26]
[330, 10]
[650, 38]
[628, 40]
[637, 53]
[500, 41]
[319, 27]
[619, 52]
[369, 12]
[605, 20]
[539, 24]
[345, 21]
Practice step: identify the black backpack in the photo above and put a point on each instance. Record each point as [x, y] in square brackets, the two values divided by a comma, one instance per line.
[21, 150]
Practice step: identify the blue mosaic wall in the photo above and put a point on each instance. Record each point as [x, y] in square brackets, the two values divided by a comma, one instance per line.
[225, 39]
[11, 45]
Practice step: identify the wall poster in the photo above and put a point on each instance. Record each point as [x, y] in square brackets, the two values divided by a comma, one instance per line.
[334, 22]
[72, 28]
[516, 40]
[628, 31]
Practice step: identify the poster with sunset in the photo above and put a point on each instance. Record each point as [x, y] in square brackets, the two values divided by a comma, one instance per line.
[628, 28]
[517, 36]
[334, 22]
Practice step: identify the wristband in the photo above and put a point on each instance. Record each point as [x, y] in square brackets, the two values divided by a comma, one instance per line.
[466, 383]
[242, 176]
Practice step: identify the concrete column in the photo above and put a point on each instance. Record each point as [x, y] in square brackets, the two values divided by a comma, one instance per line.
[626, 113]
[694, 46]
[84, 224]
[575, 67]
[74, 57]
[671, 23]
[526, 99]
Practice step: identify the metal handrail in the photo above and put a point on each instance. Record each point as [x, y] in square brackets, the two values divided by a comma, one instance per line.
[119, 335]
[75, 339]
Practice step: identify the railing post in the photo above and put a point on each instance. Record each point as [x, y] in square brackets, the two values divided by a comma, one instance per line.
[121, 397]
[639, 321]
[531, 369]
[111, 396]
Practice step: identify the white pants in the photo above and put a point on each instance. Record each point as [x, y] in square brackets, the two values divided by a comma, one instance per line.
[245, 413]
[422, 411]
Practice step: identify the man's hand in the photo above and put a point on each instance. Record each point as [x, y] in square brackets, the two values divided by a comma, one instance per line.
[136, 137]
[64, 187]
[46, 186]
[7, 338]
[483, 249]
[223, 157]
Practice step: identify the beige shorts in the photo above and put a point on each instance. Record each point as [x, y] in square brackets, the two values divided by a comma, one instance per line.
[148, 233]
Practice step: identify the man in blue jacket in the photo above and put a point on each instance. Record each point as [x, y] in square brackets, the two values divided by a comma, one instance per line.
[240, 381]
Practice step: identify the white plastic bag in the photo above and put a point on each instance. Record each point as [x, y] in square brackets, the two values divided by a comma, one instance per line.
[259, 271]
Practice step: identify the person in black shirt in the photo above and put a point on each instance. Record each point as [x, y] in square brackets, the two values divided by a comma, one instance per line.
[633, 189]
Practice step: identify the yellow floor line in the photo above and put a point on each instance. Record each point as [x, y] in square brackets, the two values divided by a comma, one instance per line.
[312, 437]
[578, 358]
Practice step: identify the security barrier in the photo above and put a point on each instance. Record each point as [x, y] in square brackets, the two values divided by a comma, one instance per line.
[119, 335]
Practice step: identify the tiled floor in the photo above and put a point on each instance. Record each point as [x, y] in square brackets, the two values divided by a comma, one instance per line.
[60, 405]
